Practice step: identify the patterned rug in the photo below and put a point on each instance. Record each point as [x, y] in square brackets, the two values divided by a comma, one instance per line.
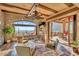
[42, 50]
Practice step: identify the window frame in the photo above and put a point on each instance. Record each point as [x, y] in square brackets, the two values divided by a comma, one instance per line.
[26, 25]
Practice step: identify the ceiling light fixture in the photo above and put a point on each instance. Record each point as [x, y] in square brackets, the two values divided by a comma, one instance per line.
[34, 14]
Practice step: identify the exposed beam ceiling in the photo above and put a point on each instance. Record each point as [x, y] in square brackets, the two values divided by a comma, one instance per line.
[69, 10]
[20, 10]
[69, 4]
[13, 9]
[16, 7]
[32, 9]
[47, 8]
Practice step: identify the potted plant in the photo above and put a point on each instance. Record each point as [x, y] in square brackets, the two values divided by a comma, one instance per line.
[8, 30]
[75, 46]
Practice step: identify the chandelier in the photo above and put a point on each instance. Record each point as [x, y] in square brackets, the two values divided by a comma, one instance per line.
[35, 15]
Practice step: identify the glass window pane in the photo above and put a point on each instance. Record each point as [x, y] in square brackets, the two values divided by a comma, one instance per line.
[57, 27]
[71, 27]
[21, 30]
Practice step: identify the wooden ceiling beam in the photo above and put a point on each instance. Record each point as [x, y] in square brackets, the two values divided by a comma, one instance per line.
[11, 5]
[31, 10]
[58, 21]
[69, 4]
[43, 14]
[64, 12]
[12, 9]
[47, 8]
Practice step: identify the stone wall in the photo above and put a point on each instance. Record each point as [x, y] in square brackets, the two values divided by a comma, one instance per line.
[9, 18]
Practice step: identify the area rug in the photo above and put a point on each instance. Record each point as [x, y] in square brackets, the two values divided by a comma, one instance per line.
[40, 49]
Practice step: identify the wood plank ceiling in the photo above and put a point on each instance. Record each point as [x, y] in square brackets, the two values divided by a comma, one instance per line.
[45, 9]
